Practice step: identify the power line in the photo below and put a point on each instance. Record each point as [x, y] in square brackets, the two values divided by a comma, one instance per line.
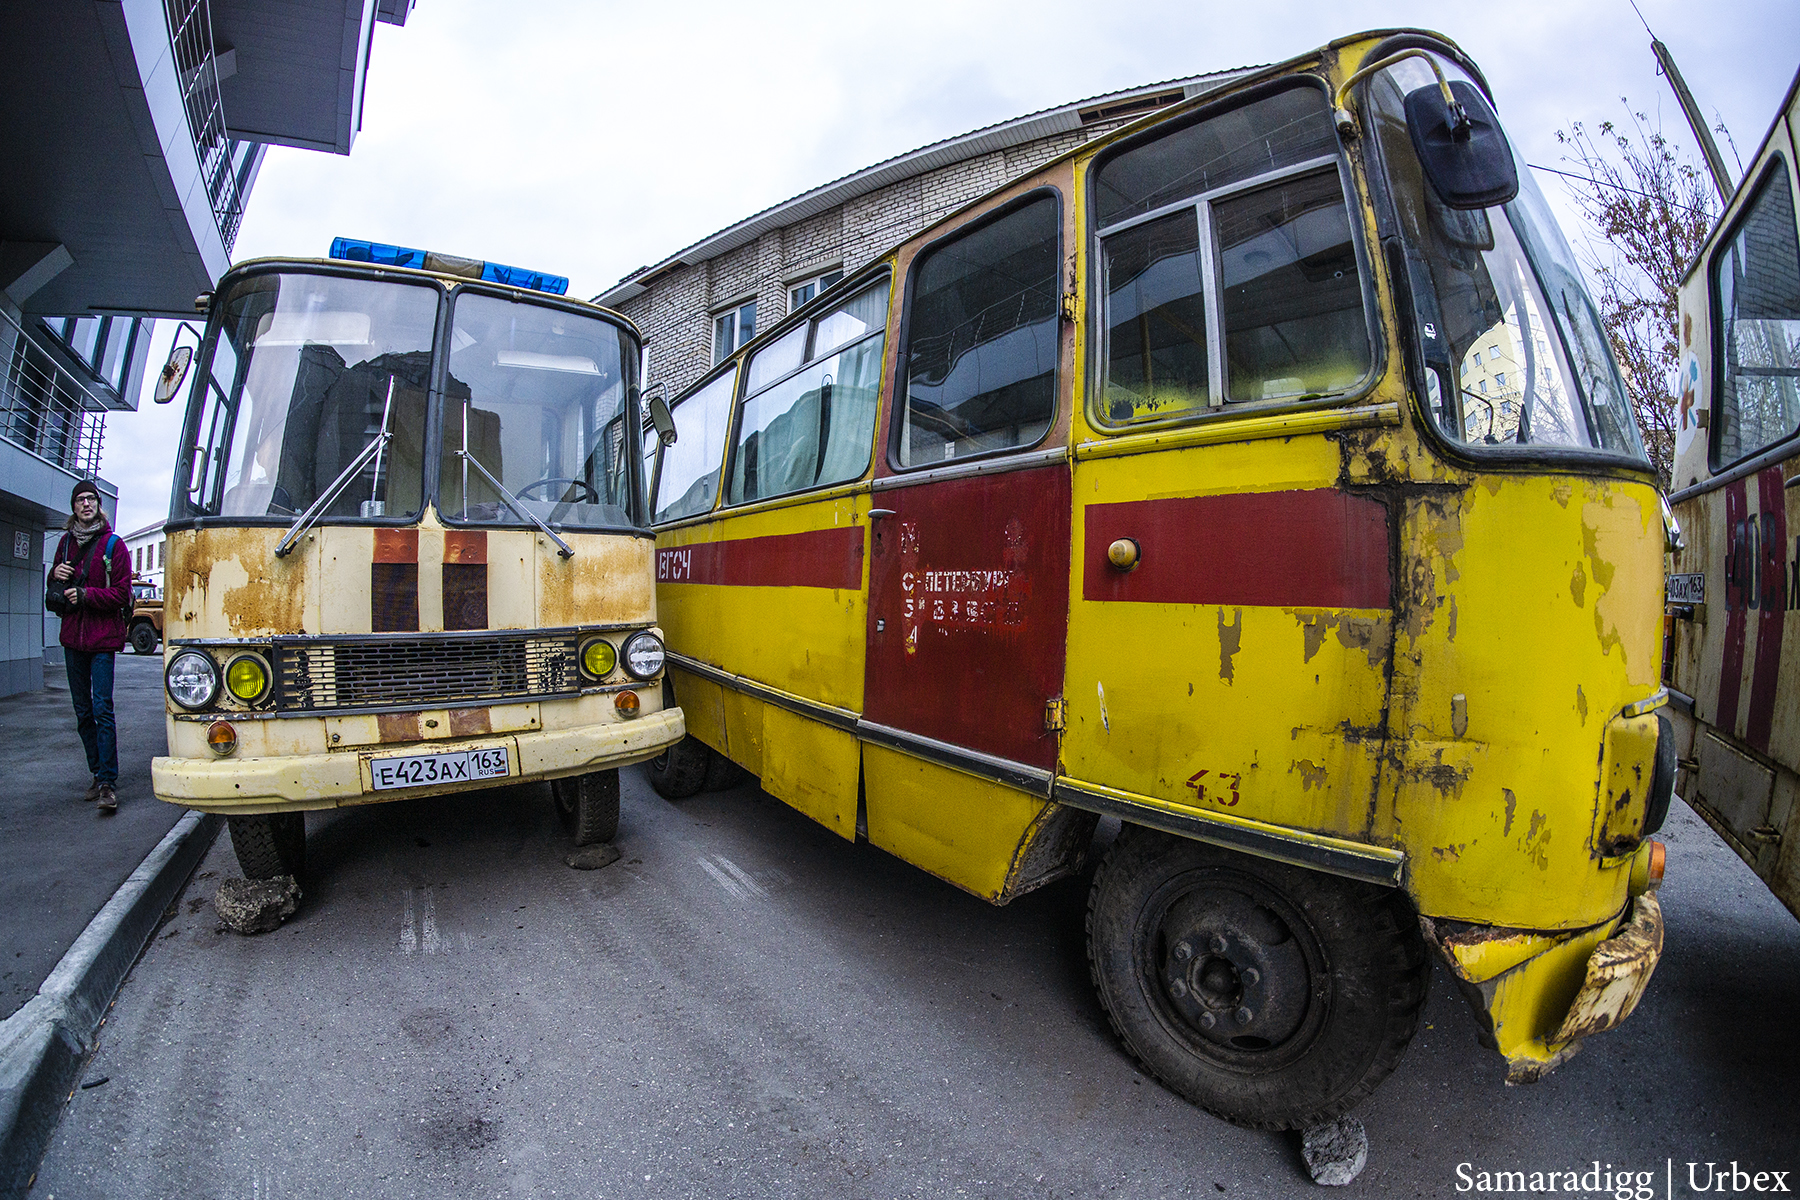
[1618, 187]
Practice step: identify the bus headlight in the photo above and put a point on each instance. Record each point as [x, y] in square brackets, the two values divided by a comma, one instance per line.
[192, 680]
[247, 678]
[598, 658]
[644, 655]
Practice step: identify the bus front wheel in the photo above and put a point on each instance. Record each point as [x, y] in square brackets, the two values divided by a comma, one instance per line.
[680, 771]
[1269, 995]
[589, 806]
[269, 845]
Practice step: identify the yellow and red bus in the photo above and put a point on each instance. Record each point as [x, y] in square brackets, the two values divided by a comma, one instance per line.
[1160, 484]
[1734, 662]
[407, 548]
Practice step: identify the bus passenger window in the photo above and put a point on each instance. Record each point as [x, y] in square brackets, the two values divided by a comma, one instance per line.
[690, 470]
[983, 340]
[1293, 303]
[812, 427]
[1156, 321]
[1756, 290]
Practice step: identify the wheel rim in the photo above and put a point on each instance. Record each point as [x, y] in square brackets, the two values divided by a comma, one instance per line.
[1233, 969]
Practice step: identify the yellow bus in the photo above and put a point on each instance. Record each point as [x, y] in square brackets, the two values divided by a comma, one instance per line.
[407, 548]
[1734, 662]
[1159, 484]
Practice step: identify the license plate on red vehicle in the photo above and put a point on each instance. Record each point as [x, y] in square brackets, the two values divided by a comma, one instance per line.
[421, 770]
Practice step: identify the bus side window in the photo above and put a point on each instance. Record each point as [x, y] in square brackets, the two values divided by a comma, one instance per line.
[690, 471]
[983, 339]
[812, 426]
[1756, 292]
[205, 467]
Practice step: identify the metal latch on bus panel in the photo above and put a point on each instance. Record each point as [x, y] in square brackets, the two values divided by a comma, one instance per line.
[1053, 715]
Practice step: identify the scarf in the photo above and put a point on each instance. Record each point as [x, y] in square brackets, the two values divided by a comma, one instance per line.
[86, 531]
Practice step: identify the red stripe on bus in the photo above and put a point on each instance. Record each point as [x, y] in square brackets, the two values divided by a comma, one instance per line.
[1313, 549]
[822, 558]
[1737, 572]
[1771, 593]
[396, 546]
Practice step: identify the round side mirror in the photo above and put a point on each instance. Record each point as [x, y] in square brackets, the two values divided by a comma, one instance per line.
[173, 372]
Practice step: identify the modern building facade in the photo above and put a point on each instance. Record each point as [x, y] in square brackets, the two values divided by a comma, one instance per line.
[699, 304]
[132, 132]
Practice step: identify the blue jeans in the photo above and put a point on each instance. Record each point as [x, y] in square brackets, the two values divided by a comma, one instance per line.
[91, 688]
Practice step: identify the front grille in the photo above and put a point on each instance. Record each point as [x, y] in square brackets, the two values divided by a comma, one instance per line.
[424, 672]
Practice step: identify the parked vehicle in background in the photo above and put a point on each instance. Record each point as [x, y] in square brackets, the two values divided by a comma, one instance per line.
[408, 552]
[1734, 654]
[145, 630]
[1258, 474]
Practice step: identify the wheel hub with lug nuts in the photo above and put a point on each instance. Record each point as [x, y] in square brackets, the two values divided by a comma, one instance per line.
[1232, 971]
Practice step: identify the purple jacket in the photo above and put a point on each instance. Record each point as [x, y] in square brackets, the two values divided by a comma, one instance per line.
[98, 622]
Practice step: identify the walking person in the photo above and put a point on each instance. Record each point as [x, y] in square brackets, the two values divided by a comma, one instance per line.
[94, 568]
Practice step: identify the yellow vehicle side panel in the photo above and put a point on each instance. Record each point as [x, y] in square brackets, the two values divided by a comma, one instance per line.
[744, 731]
[811, 767]
[703, 704]
[963, 829]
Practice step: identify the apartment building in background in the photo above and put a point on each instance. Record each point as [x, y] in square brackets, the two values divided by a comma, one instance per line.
[699, 304]
[132, 132]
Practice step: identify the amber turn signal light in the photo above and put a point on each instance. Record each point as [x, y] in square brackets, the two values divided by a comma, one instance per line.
[626, 703]
[221, 738]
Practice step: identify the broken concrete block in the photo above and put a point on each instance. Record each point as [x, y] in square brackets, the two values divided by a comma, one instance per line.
[1336, 1151]
[257, 905]
[592, 858]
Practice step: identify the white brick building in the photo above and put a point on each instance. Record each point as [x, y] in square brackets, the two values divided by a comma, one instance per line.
[690, 302]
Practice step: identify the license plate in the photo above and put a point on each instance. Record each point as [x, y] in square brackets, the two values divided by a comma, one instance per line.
[418, 770]
[1687, 589]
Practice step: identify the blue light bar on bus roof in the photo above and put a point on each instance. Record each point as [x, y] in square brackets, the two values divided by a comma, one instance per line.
[357, 250]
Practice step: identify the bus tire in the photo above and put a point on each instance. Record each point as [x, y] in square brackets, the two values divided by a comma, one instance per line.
[143, 637]
[589, 806]
[1271, 996]
[679, 771]
[269, 845]
[721, 772]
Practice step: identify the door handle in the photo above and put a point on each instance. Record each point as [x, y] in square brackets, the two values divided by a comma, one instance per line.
[875, 514]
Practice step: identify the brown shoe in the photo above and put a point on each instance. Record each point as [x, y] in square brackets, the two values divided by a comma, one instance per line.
[93, 792]
[108, 799]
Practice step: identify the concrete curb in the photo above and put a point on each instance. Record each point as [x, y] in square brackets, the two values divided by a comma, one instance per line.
[44, 1045]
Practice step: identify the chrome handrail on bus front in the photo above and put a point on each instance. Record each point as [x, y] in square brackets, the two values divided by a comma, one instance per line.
[372, 450]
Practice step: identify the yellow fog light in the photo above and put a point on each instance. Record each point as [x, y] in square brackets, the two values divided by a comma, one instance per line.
[221, 737]
[598, 658]
[246, 678]
[626, 703]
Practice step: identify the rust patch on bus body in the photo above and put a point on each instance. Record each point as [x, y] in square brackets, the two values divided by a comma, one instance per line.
[607, 581]
[470, 722]
[231, 579]
[399, 727]
[1230, 641]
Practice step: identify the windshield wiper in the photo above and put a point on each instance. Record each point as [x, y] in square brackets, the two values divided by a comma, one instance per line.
[372, 450]
[512, 501]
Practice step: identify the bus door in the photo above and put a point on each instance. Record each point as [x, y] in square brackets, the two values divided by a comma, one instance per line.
[773, 585]
[1231, 625]
[968, 580]
[1737, 497]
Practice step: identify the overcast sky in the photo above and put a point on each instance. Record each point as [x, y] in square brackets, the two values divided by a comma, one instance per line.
[588, 139]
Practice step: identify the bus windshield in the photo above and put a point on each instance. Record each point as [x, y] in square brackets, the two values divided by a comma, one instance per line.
[309, 370]
[1515, 352]
[537, 396]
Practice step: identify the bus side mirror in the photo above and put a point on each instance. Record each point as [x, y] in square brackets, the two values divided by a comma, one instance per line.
[664, 422]
[1461, 146]
[173, 372]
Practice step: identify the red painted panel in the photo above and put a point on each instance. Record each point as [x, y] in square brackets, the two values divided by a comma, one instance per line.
[824, 558]
[465, 545]
[1313, 549]
[1737, 576]
[969, 610]
[396, 546]
[1771, 595]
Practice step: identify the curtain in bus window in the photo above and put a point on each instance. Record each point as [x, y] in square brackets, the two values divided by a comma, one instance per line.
[1276, 131]
[1757, 283]
[810, 430]
[983, 339]
[690, 468]
[1292, 301]
[1156, 364]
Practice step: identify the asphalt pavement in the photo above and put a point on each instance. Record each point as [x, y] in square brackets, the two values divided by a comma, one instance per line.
[59, 859]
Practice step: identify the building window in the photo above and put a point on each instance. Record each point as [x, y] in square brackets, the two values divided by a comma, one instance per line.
[1500, 378]
[732, 328]
[800, 293]
[1478, 358]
